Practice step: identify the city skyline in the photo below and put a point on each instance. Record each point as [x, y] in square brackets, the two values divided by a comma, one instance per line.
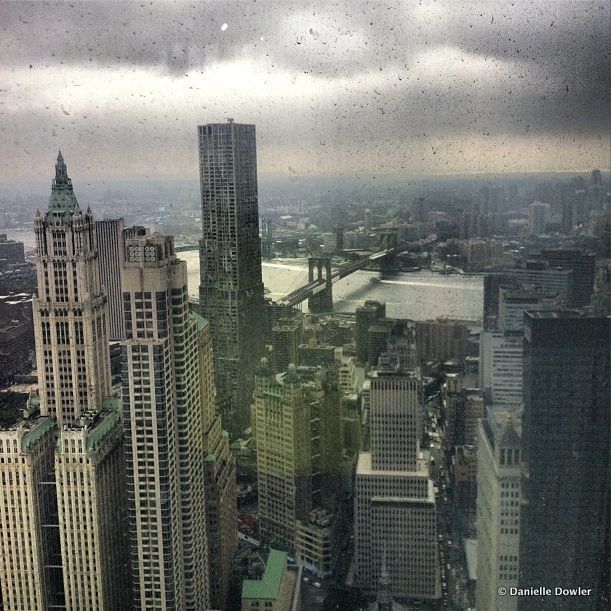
[490, 87]
[378, 383]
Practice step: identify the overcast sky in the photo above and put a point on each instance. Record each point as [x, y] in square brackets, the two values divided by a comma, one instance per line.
[371, 87]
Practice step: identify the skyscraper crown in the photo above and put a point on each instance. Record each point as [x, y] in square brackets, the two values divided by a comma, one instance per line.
[62, 203]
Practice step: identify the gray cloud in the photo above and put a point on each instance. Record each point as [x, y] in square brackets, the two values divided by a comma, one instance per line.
[356, 74]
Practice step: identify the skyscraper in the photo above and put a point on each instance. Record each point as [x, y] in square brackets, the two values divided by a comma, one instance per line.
[68, 478]
[231, 286]
[220, 477]
[284, 453]
[564, 533]
[109, 239]
[498, 507]
[583, 266]
[70, 308]
[163, 429]
[28, 549]
[90, 506]
[394, 503]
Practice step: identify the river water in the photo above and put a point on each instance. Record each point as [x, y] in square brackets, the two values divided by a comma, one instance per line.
[416, 295]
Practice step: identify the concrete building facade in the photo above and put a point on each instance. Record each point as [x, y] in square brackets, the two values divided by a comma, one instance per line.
[67, 447]
[220, 477]
[163, 430]
[498, 508]
[284, 453]
[394, 502]
[111, 254]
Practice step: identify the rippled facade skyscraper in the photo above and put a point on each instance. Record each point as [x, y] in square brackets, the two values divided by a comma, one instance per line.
[231, 285]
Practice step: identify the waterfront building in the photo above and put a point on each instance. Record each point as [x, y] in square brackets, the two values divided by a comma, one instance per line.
[10, 250]
[231, 286]
[394, 503]
[566, 459]
[164, 436]
[498, 507]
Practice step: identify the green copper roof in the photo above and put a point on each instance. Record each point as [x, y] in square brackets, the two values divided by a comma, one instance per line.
[36, 433]
[62, 203]
[202, 323]
[102, 429]
[268, 586]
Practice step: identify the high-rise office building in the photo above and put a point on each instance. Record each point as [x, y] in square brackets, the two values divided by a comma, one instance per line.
[69, 478]
[110, 247]
[163, 429]
[583, 268]
[90, 505]
[29, 542]
[366, 316]
[70, 308]
[498, 507]
[538, 217]
[287, 334]
[565, 519]
[284, 453]
[441, 340]
[394, 502]
[231, 286]
[220, 477]
[500, 350]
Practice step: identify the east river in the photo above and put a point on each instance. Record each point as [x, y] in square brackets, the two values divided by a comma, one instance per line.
[416, 295]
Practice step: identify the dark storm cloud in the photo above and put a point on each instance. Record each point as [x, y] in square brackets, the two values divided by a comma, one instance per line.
[389, 74]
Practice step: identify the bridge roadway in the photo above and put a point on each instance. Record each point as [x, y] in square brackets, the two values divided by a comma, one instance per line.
[320, 284]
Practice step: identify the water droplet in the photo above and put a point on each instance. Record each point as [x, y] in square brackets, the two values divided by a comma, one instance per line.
[224, 27]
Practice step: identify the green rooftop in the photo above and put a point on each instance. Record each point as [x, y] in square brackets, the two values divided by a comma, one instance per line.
[268, 587]
[36, 432]
[107, 425]
[202, 323]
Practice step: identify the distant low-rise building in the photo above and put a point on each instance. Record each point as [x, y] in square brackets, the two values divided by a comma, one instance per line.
[10, 250]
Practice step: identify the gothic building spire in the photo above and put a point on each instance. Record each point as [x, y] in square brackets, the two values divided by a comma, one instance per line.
[63, 203]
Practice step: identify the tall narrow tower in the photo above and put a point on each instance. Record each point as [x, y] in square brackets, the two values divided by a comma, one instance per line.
[70, 309]
[62, 463]
[231, 286]
[163, 430]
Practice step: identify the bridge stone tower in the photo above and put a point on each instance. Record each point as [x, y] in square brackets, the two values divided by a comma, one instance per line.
[323, 300]
[388, 241]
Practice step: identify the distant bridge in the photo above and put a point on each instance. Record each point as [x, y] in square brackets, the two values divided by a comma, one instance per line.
[319, 292]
